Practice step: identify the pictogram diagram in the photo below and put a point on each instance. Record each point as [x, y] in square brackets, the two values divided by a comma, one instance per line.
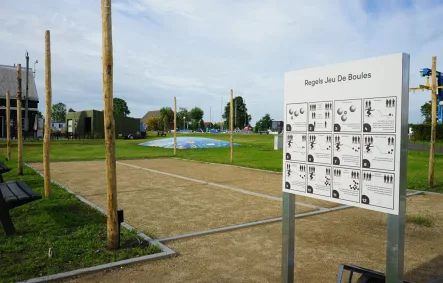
[320, 116]
[295, 176]
[296, 146]
[346, 184]
[379, 152]
[319, 180]
[347, 150]
[347, 115]
[380, 115]
[296, 117]
[320, 148]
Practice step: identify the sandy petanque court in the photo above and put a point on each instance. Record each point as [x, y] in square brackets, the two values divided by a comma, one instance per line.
[171, 198]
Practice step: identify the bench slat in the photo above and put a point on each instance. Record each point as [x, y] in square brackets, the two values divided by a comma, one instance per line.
[25, 187]
[8, 196]
[17, 191]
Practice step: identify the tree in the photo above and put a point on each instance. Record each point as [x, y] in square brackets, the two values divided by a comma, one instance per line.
[166, 116]
[153, 123]
[263, 124]
[241, 117]
[58, 112]
[183, 116]
[40, 115]
[426, 111]
[120, 107]
[71, 110]
[196, 114]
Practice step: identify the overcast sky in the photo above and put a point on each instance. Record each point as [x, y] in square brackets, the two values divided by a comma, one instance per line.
[198, 50]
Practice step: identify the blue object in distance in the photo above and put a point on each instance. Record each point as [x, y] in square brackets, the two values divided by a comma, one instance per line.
[188, 143]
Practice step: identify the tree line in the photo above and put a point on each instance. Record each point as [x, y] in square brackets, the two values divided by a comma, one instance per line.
[191, 119]
[59, 110]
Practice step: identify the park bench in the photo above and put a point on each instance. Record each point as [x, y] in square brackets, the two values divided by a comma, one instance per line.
[366, 275]
[14, 194]
[3, 169]
[161, 133]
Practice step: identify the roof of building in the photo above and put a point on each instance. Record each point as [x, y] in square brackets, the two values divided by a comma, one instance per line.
[8, 81]
[150, 114]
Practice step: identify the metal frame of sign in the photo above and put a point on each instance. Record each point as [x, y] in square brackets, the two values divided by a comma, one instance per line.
[373, 174]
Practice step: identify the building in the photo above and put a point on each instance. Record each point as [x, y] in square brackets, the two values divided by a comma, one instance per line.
[156, 114]
[8, 82]
[90, 123]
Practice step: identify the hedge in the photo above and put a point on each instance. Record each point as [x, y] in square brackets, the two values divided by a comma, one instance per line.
[422, 132]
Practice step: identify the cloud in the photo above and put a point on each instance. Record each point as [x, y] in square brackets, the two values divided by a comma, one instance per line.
[198, 50]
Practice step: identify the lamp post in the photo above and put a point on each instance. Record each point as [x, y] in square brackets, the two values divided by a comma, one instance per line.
[184, 123]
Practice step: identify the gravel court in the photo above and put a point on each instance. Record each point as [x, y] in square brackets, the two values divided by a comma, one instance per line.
[164, 205]
[323, 242]
[263, 182]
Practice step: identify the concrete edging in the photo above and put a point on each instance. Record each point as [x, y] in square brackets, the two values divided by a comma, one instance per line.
[166, 252]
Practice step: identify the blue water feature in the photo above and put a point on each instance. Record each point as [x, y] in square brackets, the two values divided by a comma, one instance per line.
[188, 143]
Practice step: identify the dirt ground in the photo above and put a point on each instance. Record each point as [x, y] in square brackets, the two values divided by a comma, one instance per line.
[163, 205]
[269, 183]
[323, 242]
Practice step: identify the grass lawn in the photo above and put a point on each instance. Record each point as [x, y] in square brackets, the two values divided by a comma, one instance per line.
[255, 151]
[75, 232]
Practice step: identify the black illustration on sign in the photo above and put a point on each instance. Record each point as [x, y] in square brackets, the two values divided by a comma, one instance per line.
[310, 190]
[288, 128]
[364, 199]
[335, 194]
[311, 173]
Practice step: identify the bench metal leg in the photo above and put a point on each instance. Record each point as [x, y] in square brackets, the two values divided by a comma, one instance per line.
[6, 221]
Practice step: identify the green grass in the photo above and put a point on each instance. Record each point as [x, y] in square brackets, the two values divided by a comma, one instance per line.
[75, 232]
[420, 220]
[255, 151]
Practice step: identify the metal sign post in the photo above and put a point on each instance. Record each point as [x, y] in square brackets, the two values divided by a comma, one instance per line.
[346, 141]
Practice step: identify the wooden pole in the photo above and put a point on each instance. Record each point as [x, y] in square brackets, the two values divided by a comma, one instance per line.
[112, 223]
[231, 126]
[47, 127]
[434, 122]
[8, 126]
[19, 120]
[175, 125]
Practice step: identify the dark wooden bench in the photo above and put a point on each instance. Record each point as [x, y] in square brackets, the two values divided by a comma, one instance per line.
[366, 275]
[3, 169]
[14, 194]
[161, 133]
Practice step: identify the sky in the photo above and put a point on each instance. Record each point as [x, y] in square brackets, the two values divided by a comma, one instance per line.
[197, 50]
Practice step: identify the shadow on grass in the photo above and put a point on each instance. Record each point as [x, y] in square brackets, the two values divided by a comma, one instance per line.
[426, 272]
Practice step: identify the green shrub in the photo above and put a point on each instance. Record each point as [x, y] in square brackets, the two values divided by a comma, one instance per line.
[422, 132]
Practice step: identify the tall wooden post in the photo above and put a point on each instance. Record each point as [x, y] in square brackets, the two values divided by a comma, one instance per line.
[175, 125]
[433, 123]
[8, 126]
[47, 127]
[112, 222]
[19, 120]
[231, 125]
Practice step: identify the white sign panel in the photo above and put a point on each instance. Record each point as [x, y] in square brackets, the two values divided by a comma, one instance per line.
[343, 129]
